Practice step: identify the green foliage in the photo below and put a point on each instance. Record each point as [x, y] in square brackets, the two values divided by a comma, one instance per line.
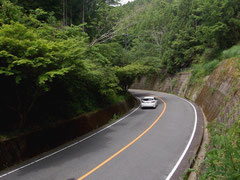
[114, 118]
[232, 52]
[128, 74]
[25, 56]
[183, 32]
[223, 159]
[212, 90]
[42, 58]
[9, 12]
[51, 73]
[202, 70]
[106, 54]
[34, 63]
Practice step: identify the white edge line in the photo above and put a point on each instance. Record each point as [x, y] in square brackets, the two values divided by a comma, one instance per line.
[190, 140]
[189, 143]
[45, 157]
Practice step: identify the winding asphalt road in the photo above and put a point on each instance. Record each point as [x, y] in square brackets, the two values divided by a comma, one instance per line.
[146, 144]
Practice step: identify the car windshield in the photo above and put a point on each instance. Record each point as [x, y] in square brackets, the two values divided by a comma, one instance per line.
[148, 99]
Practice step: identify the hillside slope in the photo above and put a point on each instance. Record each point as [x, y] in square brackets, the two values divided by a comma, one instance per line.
[220, 93]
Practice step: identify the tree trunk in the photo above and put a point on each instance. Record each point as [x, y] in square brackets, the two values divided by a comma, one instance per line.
[23, 119]
[71, 15]
[63, 12]
[66, 13]
[83, 16]
[25, 106]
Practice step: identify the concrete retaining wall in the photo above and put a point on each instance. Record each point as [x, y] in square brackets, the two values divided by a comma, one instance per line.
[218, 96]
[17, 149]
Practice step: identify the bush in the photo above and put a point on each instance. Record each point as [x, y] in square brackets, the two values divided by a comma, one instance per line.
[223, 160]
[232, 52]
[201, 70]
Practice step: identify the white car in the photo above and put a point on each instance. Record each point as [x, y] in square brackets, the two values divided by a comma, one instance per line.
[149, 101]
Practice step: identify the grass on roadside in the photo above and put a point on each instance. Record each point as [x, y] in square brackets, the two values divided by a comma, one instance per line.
[223, 158]
[199, 71]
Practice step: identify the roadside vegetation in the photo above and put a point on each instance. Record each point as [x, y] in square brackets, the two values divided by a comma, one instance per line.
[201, 70]
[61, 58]
[49, 71]
[223, 156]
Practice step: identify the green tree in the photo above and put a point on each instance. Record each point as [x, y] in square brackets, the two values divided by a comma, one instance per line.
[33, 63]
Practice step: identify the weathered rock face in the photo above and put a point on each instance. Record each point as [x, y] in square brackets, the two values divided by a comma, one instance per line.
[176, 84]
[219, 95]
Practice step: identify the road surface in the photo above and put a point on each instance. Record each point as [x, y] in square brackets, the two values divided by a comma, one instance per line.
[147, 144]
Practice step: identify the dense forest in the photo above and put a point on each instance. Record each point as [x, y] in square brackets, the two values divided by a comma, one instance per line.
[60, 58]
[49, 71]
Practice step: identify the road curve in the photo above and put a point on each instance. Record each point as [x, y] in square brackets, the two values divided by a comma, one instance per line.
[149, 144]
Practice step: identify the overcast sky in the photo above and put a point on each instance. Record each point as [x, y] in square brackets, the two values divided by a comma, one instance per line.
[125, 1]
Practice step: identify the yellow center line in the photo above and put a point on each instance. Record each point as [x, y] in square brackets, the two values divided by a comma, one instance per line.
[124, 148]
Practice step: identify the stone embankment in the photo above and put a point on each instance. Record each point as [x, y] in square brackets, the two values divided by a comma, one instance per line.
[218, 95]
